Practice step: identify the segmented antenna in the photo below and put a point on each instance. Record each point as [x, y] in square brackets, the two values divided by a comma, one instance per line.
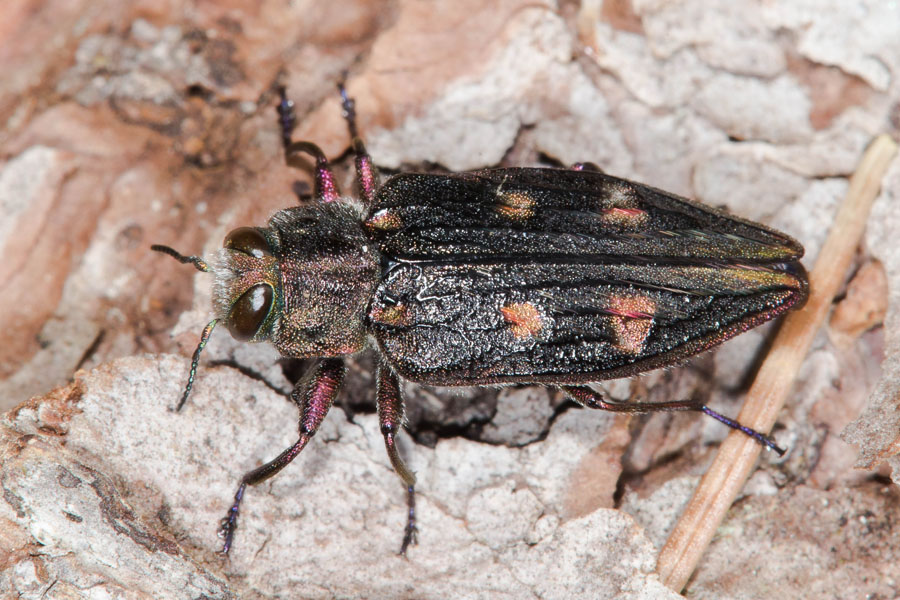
[198, 262]
[201, 265]
[204, 337]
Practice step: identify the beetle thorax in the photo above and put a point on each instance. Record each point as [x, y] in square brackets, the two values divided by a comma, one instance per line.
[328, 271]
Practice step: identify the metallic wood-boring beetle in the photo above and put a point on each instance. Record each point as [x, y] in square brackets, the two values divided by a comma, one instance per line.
[553, 276]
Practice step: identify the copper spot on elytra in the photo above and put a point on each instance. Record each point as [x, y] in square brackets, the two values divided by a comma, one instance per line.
[619, 194]
[632, 319]
[384, 220]
[624, 217]
[515, 205]
[396, 315]
[523, 318]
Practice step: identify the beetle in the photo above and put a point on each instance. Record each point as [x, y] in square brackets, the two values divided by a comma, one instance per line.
[560, 277]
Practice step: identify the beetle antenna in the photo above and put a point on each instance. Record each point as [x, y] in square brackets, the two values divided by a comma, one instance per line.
[204, 337]
[195, 260]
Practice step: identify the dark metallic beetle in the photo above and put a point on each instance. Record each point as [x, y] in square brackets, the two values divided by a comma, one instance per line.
[552, 276]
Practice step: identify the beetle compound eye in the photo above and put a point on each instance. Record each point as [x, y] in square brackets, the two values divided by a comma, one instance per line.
[248, 240]
[249, 311]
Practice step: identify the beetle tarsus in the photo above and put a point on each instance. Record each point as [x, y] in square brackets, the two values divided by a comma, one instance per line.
[228, 525]
[348, 110]
[762, 438]
[286, 117]
[411, 533]
[326, 188]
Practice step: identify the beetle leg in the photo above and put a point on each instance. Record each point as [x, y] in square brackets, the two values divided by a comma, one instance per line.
[326, 189]
[390, 415]
[366, 174]
[314, 395]
[286, 117]
[590, 398]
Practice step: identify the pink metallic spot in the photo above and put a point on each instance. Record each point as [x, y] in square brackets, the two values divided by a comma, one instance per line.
[385, 220]
[624, 217]
[524, 319]
[396, 315]
[516, 206]
[632, 320]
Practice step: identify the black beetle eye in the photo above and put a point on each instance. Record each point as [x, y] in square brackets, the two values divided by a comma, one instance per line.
[248, 240]
[249, 311]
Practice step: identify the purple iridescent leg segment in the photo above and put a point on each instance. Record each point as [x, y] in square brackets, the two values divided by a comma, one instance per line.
[390, 415]
[366, 174]
[326, 188]
[314, 395]
[590, 398]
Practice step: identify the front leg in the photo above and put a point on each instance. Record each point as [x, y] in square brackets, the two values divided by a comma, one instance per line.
[326, 188]
[390, 416]
[314, 395]
[366, 174]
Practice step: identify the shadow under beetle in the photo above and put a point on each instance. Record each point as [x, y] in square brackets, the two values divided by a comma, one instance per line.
[553, 276]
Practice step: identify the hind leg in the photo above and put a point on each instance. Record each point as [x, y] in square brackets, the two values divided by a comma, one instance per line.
[589, 398]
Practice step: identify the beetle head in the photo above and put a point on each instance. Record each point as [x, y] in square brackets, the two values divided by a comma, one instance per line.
[247, 284]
